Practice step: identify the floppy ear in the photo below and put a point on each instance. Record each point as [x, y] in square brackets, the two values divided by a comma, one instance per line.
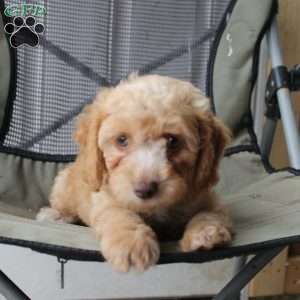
[90, 157]
[214, 136]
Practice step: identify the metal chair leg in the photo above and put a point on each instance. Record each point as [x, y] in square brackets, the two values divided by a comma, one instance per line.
[268, 137]
[238, 266]
[9, 290]
[240, 280]
[289, 122]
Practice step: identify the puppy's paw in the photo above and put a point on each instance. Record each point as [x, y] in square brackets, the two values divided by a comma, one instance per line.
[205, 237]
[50, 214]
[136, 249]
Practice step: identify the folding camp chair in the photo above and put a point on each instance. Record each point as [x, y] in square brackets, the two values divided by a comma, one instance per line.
[85, 45]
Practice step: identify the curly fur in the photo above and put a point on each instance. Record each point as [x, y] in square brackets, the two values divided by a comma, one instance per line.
[99, 187]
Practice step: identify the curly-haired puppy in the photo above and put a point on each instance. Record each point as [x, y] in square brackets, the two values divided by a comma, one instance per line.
[148, 161]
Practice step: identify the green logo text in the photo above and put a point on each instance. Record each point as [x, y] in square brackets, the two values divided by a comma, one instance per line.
[25, 9]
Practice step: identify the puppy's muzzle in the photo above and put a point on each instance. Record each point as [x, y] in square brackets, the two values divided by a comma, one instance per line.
[146, 190]
[148, 161]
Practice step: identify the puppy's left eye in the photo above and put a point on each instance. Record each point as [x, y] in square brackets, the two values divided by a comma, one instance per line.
[122, 140]
[173, 142]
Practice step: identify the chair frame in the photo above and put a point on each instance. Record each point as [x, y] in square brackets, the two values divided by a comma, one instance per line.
[285, 107]
[244, 271]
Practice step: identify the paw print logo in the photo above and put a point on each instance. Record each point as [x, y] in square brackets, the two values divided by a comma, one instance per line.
[24, 31]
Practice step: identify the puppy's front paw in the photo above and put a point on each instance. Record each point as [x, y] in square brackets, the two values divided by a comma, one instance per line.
[205, 237]
[50, 214]
[136, 248]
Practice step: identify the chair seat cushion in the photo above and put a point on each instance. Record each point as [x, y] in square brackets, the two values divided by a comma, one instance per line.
[266, 214]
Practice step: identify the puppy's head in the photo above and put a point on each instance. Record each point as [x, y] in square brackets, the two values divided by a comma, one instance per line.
[154, 139]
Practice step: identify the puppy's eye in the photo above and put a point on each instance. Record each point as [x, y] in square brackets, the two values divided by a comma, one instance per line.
[122, 140]
[173, 142]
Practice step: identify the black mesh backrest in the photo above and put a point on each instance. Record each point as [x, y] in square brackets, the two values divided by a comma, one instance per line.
[88, 44]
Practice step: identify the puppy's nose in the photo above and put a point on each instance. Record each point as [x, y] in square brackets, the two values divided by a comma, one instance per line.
[146, 190]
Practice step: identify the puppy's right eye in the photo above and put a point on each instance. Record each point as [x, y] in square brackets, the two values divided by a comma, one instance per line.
[122, 140]
[173, 142]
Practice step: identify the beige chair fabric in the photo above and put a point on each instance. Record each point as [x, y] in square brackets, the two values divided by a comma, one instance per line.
[264, 208]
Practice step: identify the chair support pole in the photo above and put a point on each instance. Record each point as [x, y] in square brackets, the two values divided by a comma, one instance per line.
[242, 278]
[240, 262]
[288, 117]
[259, 105]
[9, 290]
[268, 137]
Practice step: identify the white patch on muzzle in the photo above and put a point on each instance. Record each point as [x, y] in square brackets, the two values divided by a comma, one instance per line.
[149, 159]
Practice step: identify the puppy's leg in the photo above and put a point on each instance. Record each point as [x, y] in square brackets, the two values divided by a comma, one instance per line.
[53, 215]
[207, 230]
[61, 205]
[126, 241]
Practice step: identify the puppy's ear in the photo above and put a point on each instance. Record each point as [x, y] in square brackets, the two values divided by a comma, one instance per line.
[214, 136]
[90, 157]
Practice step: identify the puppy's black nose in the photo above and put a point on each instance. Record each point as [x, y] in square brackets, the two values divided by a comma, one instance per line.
[146, 190]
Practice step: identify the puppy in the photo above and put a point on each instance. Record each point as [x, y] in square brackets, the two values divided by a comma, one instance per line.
[148, 162]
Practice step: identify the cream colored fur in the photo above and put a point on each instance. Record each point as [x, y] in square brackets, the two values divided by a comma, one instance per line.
[152, 113]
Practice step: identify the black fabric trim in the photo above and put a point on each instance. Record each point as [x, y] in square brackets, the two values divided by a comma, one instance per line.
[12, 85]
[253, 149]
[165, 258]
[69, 59]
[247, 122]
[240, 148]
[266, 26]
[265, 160]
[37, 156]
[216, 43]
[213, 54]
[270, 169]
